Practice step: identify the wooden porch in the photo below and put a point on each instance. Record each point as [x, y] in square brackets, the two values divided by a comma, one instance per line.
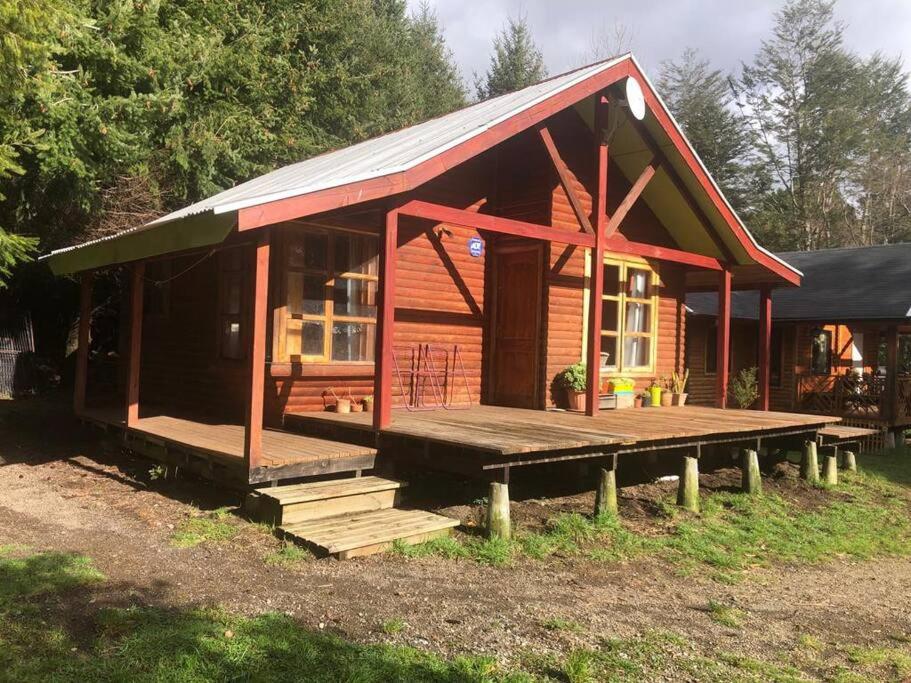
[216, 450]
[491, 438]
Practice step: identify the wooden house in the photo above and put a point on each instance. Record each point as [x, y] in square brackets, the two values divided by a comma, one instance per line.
[448, 271]
[840, 344]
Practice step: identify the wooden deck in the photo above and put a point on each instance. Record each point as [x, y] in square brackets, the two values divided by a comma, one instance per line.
[500, 436]
[285, 454]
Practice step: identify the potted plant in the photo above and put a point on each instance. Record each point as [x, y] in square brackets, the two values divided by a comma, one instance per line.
[367, 402]
[679, 384]
[573, 380]
[745, 387]
[645, 399]
[637, 400]
[667, 398]
[655, 392]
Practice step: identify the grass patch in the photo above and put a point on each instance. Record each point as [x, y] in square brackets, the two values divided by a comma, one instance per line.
[287, 555]
[209, 527]
[868, 516]
[560, 624]
[725, 615]
[393, 626]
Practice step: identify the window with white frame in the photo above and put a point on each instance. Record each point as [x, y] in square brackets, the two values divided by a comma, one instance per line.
[628, 316]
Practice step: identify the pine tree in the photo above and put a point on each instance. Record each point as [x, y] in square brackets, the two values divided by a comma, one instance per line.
[515, 64]
[701, 100]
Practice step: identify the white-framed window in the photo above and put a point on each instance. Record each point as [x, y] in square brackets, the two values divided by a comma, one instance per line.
[629, 309]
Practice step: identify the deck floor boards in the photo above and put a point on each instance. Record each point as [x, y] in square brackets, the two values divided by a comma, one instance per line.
[509, 431]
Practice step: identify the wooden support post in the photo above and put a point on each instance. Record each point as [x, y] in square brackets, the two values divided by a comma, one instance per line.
[751, 480]
[606, 495]
[809, 464]
[253, 424]
[765, 345]
[723, 346]
[849, 461]
[596, 280]
[136, 300]
[498, 522]
[82, 351]
[688, 487]
[382, 378]
[830, 467]
[891, 407]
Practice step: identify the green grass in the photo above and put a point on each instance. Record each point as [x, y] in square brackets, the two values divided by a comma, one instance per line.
[725, 615]
[209, 527]
[560, 624]
[868, 516]
[52, 630]
[287, 555]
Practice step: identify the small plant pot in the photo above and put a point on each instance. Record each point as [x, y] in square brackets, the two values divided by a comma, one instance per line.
[575, 399]
[680, 399]
[368, 406]
[343, 405]
[637, 402]
[667, 399]
[655, 396]
[357, 407]
[646, 401]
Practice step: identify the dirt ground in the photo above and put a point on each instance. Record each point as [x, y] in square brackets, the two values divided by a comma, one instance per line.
[62, 488]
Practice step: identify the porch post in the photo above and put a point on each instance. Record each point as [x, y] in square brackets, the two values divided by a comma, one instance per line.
[765, 345]
[596, 279]
[724, 338]
[136, 299]
[82, 351]
[891, 404]
[382, 378]
[253, 424]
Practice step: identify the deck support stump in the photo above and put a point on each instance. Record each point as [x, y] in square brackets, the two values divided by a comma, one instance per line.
[688, 487]
[606, 495]
[751, 480]
[888, 439]
[830, 468]
[498, 522]
[809, 464]
[849, 461]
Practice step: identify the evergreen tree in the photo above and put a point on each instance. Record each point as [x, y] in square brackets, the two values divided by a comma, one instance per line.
[515, 64]
[701, 100]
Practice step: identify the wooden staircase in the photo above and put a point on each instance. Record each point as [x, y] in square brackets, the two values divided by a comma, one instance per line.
[348, 517]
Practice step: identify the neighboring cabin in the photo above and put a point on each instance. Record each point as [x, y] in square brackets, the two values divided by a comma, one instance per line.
[840, 344]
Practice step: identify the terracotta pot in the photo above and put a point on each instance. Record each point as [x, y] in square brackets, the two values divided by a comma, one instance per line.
[637, 402]
[357, 407]
[575, 399]
[368, 406]
[343, 405]
[680, 399]
[667, 399]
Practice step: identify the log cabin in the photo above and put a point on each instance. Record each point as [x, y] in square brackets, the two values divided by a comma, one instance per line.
[414, 296]
[839, 345]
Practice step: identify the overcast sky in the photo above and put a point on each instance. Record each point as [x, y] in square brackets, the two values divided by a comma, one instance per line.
[726, 31]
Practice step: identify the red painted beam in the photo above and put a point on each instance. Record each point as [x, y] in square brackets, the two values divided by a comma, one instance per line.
[481, 221]
[634, 192]
[765, 346]
[136, 299]
[565, 180]
[253, 423]
[82, 352]
[723, 346]
[382, 378]
[622, 246]
[596, 279]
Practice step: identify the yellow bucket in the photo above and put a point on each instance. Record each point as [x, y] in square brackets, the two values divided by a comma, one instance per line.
[656, 396]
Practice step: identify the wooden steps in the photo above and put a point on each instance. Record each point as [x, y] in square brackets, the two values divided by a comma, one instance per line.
[365, 533]
[348, 517]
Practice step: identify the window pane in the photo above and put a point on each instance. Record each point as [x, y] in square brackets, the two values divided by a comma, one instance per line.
[611, 280]
[353, 341]
[230, 340]
[309, 250]
[306, 294]
[637, 283]
[609, 352]
[355, 298]
[636, 352]
[356, 254]
[312, 337]
[638, 317]
[820, 360]
[610, 317]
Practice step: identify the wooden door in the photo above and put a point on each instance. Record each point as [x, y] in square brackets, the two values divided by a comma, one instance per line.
[515, 338]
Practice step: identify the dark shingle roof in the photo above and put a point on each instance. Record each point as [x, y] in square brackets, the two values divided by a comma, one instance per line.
[852, 283]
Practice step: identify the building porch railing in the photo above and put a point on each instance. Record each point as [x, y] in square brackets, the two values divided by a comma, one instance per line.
[858, 396]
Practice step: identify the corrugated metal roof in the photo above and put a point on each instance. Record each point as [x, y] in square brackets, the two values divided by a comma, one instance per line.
[851, 283]
[388, 154]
